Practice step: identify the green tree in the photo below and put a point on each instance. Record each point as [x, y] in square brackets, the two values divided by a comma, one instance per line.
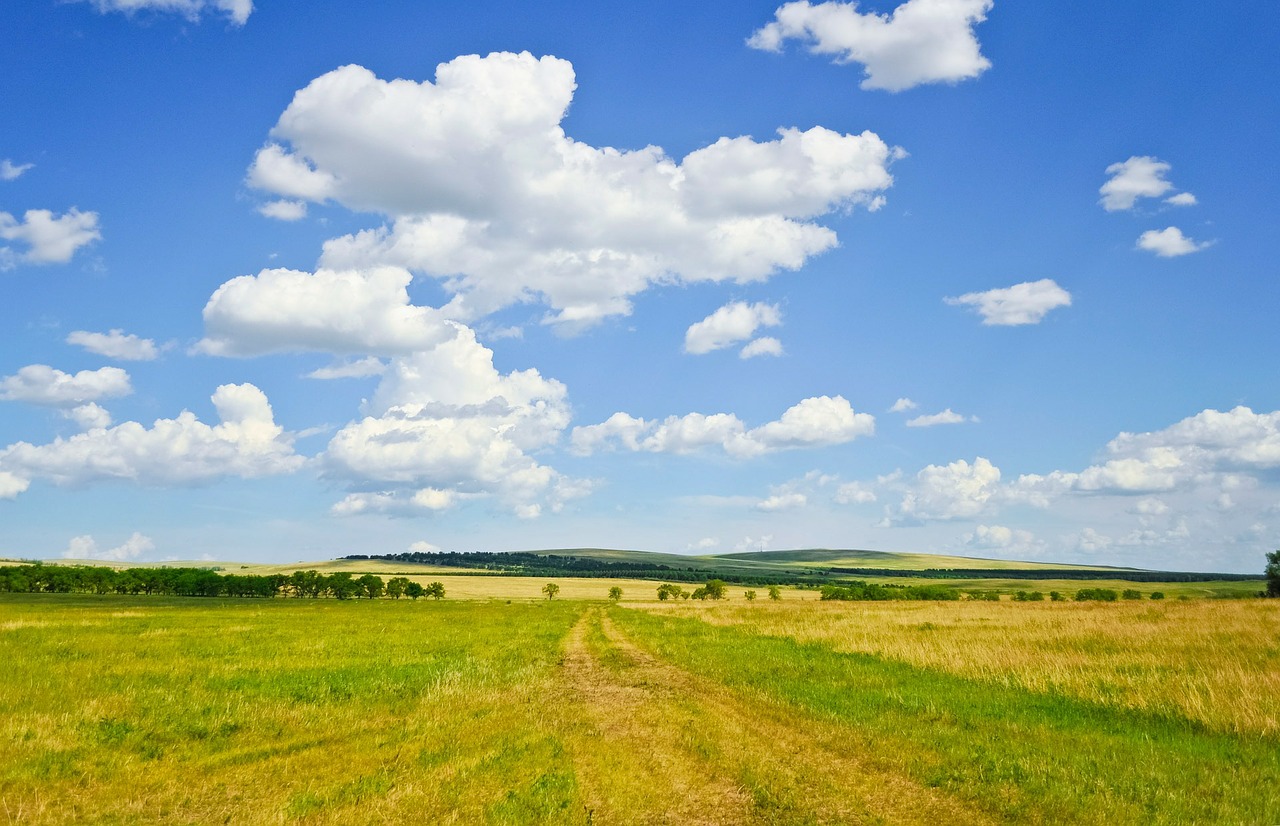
[615, 593]
[715, 589]
[414, 590]
[750, 595]
[435, 590]
[775, 593]
[396, 586]
[342, 585]
[370, 586]
[1273, 574]
[1157, 594]
[551, 589]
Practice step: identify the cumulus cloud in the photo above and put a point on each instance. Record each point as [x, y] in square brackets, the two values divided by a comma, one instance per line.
[445, 419]
[959, 490]
[1142, 176]
[1025, 303]
[182, 451]
[486, 192]
[903, 405]
[357, 369]
[284, 210]
[9, 171]
[48, 239]
[11, 485]
[705, 544]
[947, 416]
[48, 387]
[412, 503]
[729, 325]
[782, 502]
[814, 422]
[763, 346]
[332, 311]
[854, 493]
[1001, 538]
[922, 41]
[115, 344]
[86, 547]
[237, 11]
[89, 416]
[1169, 243]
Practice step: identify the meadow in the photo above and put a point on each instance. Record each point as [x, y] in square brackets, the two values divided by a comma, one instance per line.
[507, 708]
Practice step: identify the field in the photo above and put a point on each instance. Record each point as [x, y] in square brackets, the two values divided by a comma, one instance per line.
[121, 709]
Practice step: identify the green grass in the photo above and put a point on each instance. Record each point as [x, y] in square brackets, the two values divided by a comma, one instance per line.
[1023, 756]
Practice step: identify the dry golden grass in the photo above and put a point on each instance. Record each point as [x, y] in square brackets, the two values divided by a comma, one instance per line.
[1216, 662]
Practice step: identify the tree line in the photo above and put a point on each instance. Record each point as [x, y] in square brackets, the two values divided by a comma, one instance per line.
[205, 582]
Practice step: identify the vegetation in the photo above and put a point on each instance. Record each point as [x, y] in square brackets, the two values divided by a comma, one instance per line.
[1273, 574]
[122, 708]
[615, 593]
[858, 591]
[551, 589]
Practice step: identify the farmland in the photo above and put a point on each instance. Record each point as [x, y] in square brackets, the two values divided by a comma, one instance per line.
[129, 708]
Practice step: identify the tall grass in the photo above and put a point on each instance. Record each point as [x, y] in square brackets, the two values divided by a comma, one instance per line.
[1025, 757]
[1216, 663]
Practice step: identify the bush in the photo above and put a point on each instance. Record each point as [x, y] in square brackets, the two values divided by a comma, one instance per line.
[750, 595]
[1096, 595]
[775, 593]
[1056, 596]
[1157, 594]
[1130, 593]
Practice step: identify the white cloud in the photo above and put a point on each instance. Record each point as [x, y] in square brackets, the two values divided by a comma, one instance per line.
[424, 547]
[1142, 176]
[351, 311]
[903, 405]
[814, 422]
[782, 502]
[89, 416]
[942, 492]
[237, 11]
[729, 325]
[854, 493]
[49, 239]
[922, 41]
[763, 346]
[115, 344]
[705, 544]
[426, 500]
[1001, 538]
[750, 543]
[43, 385]
[947, 416]
[357, 369]
[446, 419]
[284, 210]
[1169, 243]
[86, 547]
[486, 192]
[182, 451]
[1025, 303]
[9, 171]
[1182, 199]
[11, 486]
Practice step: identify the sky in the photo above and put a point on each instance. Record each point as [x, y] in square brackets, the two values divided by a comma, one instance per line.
[285, 281]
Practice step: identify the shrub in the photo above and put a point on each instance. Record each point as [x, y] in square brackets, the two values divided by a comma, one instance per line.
[775, 593]
[1131, 593]
[615, 593]
[1096, 595]
[750, 595]
[1157, 594]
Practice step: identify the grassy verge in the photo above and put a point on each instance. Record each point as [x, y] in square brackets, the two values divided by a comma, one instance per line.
[1023, 756]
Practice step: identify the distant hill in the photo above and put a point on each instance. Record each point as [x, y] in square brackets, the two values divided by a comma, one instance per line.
[825, 558]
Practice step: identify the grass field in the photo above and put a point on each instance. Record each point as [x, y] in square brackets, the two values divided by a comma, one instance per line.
[132, 709]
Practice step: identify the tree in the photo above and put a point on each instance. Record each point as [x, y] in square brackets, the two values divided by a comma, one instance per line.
[1273, 574]
[435, 590]
[775, 593]
[750, 595]
[668, 591]
[396, 586]
[615, 593]
[370, 586]
[414, 590]
[551, 589]
[715, 589]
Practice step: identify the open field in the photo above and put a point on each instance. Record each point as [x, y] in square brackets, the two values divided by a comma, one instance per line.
[124, 709]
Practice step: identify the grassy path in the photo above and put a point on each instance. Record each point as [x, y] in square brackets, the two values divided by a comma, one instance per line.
[665, 746]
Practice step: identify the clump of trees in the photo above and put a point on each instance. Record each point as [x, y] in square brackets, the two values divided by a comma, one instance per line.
[206, 582]
[860, 591]
[714, 589]
[1096, 595]
[1028, 596]
[668, 591]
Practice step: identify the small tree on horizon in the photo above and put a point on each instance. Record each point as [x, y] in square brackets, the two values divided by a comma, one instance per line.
[775, 593]
[615, 593]
[551, 589]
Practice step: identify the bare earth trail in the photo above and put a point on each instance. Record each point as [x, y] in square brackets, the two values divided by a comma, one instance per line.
[656, 744]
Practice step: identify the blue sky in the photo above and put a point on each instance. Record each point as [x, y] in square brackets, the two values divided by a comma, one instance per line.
[944, 276]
